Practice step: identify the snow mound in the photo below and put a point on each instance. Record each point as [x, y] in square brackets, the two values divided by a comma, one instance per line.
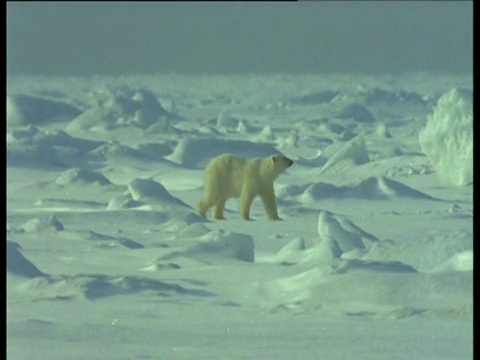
[32, 135]
[354, 151]
[18, 265]
[197, 153]
[357, 113]
[293, 252]
[217, 245]
[97, 286]
[117, 153]
[266, 134]
[377, 96]
[370, 265]
[122, 107]
[40, 224]
[27, 109]
[339, 238]
[371, 188]
[33, 147]
[342, 234]
[156, 150]
[147, 189]
[462, 261]
[102, 239]
[447, 139]
[435, 251]
[144, 192]
[319, 97]
[81, 177]
[227, 120]
[389, 291]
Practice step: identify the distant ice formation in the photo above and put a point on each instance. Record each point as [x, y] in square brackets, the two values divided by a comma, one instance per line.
[357, 112]
[27, 109]
[123, 107]
[447, 139]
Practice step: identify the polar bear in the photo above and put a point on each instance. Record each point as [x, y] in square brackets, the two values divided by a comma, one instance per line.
[229, 176]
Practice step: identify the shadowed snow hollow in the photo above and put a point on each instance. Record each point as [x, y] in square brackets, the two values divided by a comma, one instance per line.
[447, 139]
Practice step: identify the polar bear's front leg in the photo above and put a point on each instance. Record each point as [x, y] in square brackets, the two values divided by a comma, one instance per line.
[268, 198]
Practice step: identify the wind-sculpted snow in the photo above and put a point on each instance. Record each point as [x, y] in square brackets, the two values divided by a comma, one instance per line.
[353, 152]
[18, 265]
[356, 112]
[34, 147]
[44, 223]
[217, 246]
[98, 286]
[372, 188]
[145, 192]
[27, 109]
[319, 97]
[123, 107]
[447, 139]
[107, 252]
[81, 176]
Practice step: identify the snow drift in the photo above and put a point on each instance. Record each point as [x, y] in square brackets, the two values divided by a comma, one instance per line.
[447, 139]
[141, 192]
[372, 188]
[354, 151]
[123, 106]
[27, 109]
[218, 245]
[18, 265]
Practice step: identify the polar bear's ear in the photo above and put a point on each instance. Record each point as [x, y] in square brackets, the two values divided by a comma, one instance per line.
[274, 158]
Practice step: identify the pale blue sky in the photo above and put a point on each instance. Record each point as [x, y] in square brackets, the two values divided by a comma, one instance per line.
[234, 37]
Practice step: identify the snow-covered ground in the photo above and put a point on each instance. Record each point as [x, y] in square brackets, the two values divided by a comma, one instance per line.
[107, 257]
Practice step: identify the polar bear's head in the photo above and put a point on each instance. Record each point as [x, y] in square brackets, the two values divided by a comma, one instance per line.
[280, 163]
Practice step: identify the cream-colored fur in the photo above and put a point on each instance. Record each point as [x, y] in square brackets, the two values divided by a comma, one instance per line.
[229, 176]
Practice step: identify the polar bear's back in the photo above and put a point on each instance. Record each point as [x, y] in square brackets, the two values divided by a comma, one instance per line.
[226, 173]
